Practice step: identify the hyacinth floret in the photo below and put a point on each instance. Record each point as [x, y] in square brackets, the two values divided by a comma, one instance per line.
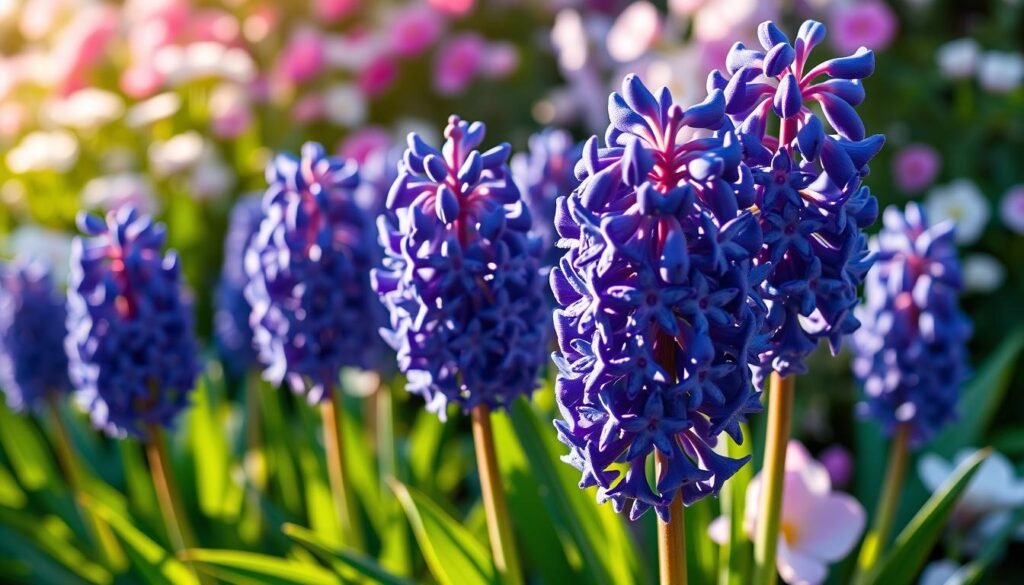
[232, 310]
[911, 352]
[659, 313]
[308, 266]
[810, 199]
[461, 275]
[130, 334]
[544, 173]
[33, 365]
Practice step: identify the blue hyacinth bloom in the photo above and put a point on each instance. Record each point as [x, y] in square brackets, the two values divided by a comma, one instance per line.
[33, 365]
[659, 309]
[308, 266]
[232, 310]
[130, 339]
[811, 202]
[461, 276]
[911, 352]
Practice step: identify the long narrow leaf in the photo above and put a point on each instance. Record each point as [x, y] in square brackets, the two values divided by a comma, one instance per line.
[734, 565]
[27, 451]
[245, 568]
[454, 555]
[340, 558]
[52, 536]
[912, 546]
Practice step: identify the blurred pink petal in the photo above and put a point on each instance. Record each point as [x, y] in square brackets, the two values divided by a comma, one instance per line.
[334, 10]
[869, 24]
[1012, 209]
[797, 568]
[718, 530]
[81, 44]
[831, 526]
[453, 7]
[378, 75]
[634, 32]
[500, 60]
[915, 167]
[308, 108]
[230, 113]
[215, 25]
[140, 81]
[458, 63]
[303, 56]
[413, 29]
[360, 144]
[839, 464]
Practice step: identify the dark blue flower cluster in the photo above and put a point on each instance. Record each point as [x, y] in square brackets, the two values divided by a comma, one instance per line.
[232, 310]
[812, 204]
[130, 342]
[308, 267]
[461, 275]
[911, 351]
[544, 173]
[659, 313]
[32, 365]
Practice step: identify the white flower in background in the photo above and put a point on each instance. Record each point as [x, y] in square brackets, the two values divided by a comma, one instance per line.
[961, 201]
[1011, 210]
[1000, 72]
[344, 104]
[44, 151]
[942, 572]
[50, 247]
[634, 32]
[958, 59]
[983, 273]
[176, 154]
[230, 112]
[722, 20]
[204, 60]
[681, 71]
[86, 109]
[112, 191]
[353, 52]
[211, 179]
[157, 108]
[988, 502]
[569, 38]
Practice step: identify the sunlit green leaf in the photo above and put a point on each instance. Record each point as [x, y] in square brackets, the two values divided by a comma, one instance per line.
[906, 556]
[245, 568]
[52, 536]
[454, 556]
[26, 448]
[342, 559]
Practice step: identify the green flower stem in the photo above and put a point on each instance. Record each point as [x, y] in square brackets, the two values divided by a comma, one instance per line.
[178, 530]
[113, 556]
[885, 513]
[499, 526]
[780, 415]
[337, 472]
[672, 541]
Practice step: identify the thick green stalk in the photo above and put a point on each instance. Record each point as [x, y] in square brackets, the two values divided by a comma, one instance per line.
[780, 414]
[499, 526]
[337, 472]
[178, 530]
[885, 512]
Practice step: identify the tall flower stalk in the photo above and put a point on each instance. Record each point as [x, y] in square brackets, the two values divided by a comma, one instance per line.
[658, 310]
[812, 208]
[130, 341]
[308, 268]
[911, 353]
[461, 281]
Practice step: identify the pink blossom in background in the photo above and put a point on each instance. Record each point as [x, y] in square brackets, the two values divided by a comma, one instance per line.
[215, 25]
[870, 24]
[727, 20]
[378, 75]
[915, 167]
[1012, 209]
[839, 464]
[363, 142]
[453, 7]
[818, 526]
[633, 32]
[230, 112]
[501, 59]
[303, 56]
[334, 10]
[308, 108]
[413, 29]
[141, 81]
[81, 44]
[458, 63]
[12, 119]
